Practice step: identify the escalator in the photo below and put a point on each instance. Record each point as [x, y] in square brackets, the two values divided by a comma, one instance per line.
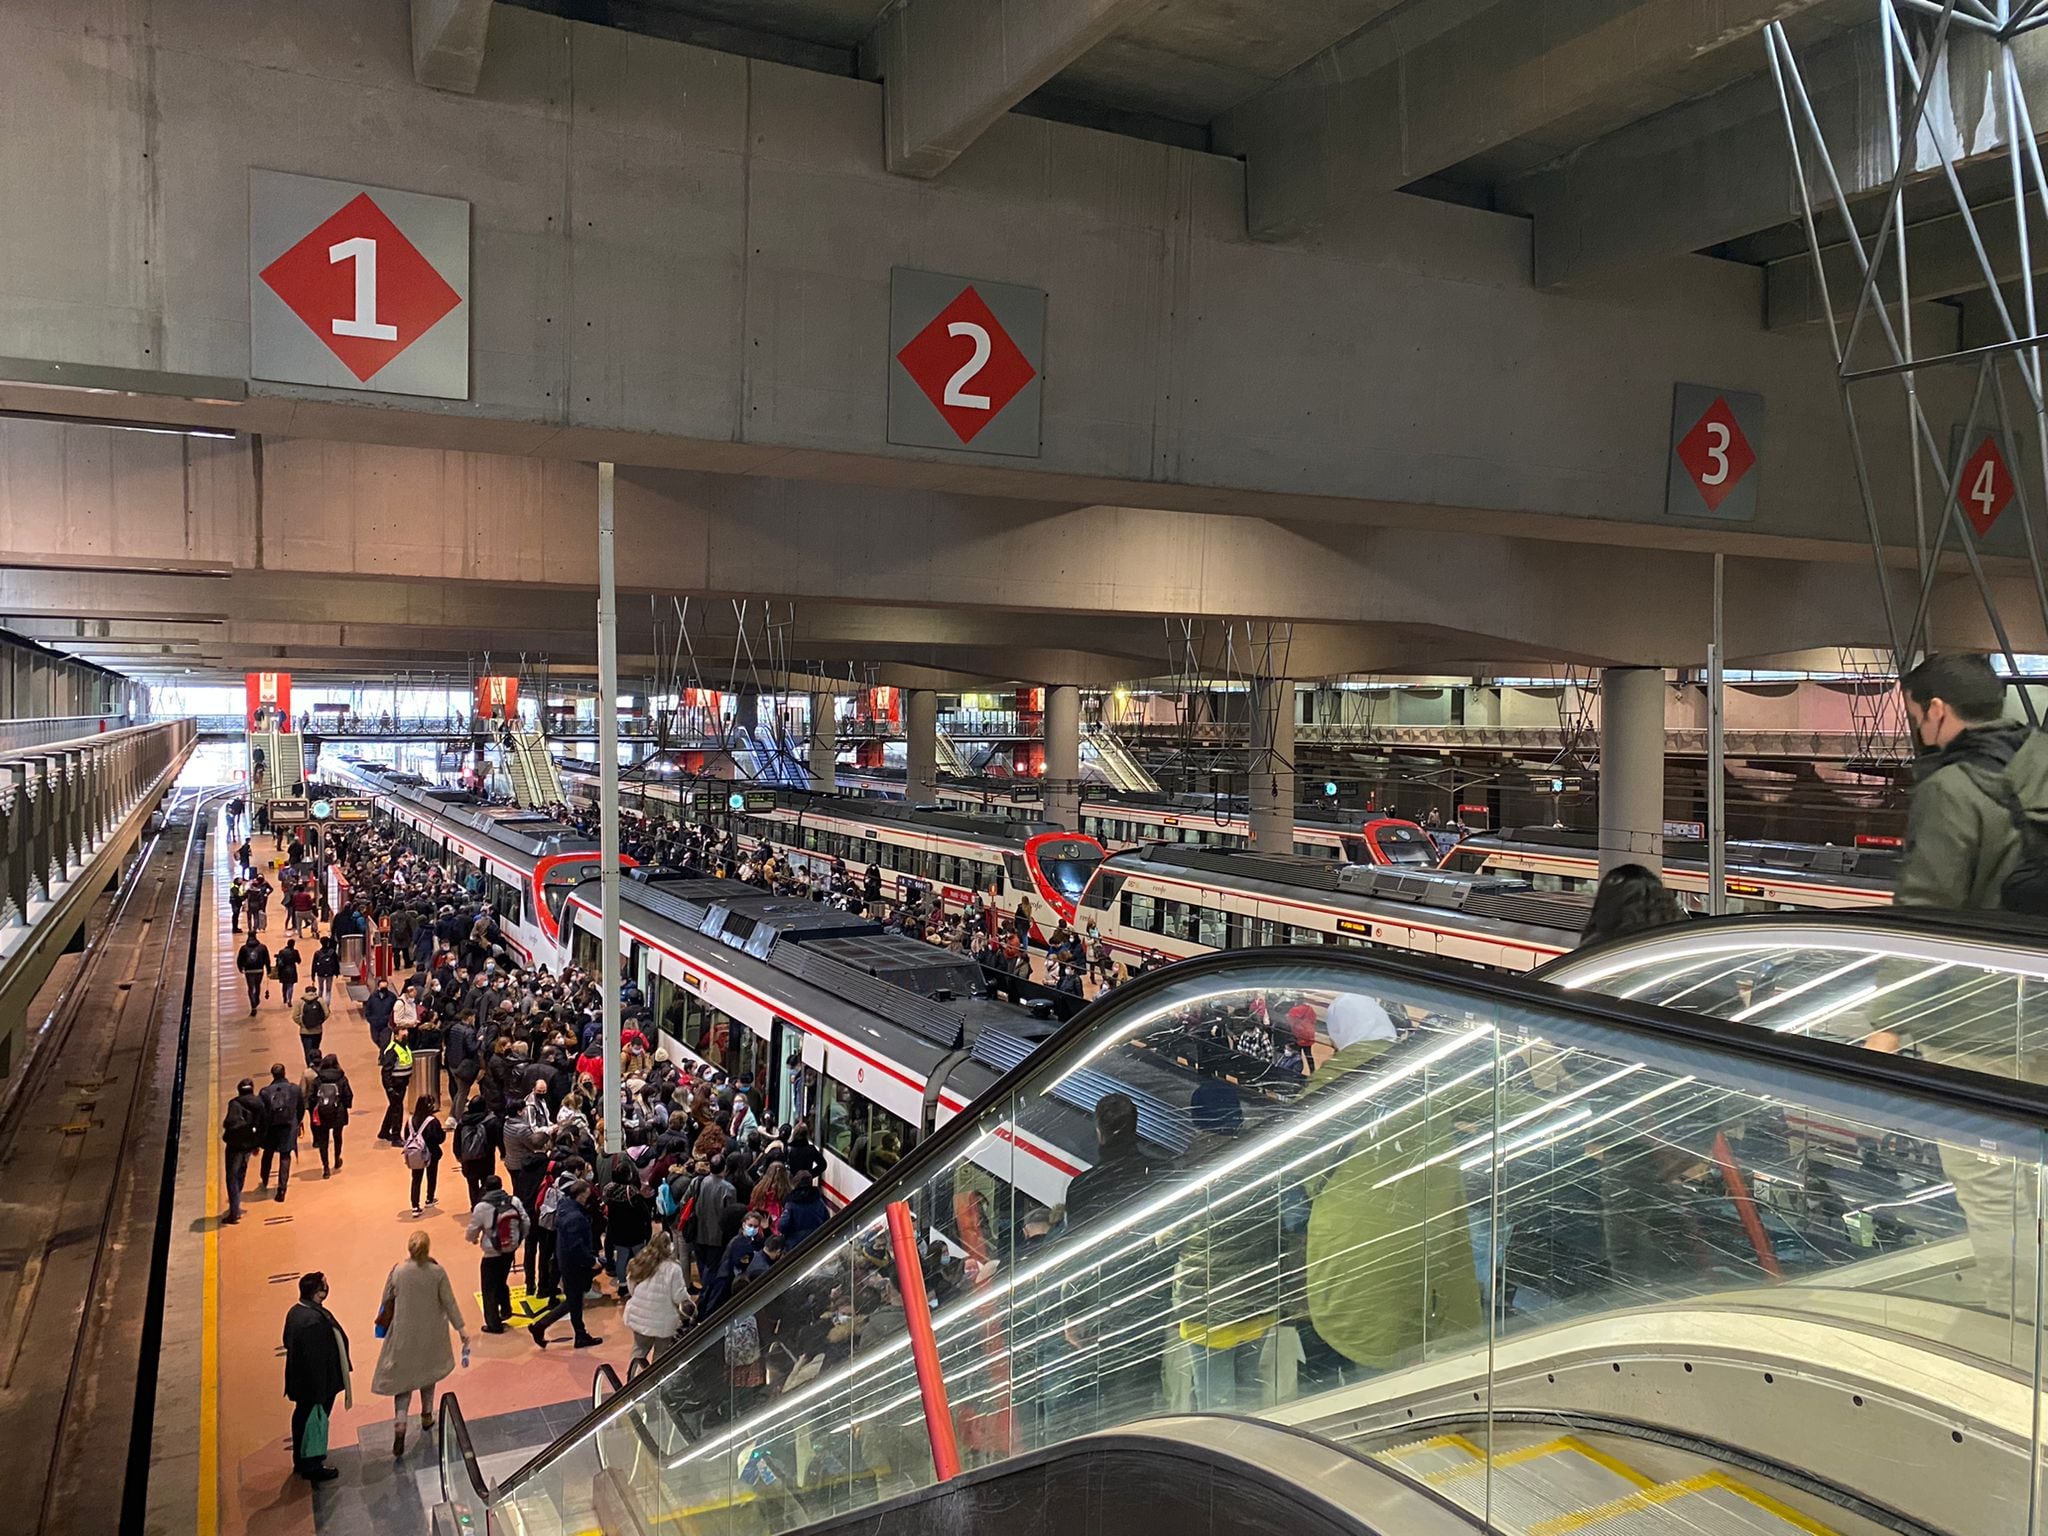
[1510, 1258]
[1103, 751]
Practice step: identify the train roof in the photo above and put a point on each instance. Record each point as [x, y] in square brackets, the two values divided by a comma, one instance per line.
[985, 825]
[1378, 889]
[1879, 866]
[531, 833]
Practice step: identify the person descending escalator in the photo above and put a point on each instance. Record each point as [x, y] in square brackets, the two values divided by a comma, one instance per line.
[1390, 1256]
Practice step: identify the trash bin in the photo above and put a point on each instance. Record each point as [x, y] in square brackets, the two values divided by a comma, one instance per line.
[426, 1075]
[352, 955]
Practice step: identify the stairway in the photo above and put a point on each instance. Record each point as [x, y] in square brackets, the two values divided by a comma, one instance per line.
[949, 759]
[535, 780]
[1118, 765]
[1539, 1483]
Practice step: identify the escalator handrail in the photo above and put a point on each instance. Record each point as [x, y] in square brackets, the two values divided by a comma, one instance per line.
[1922, 1082]
[452, 1422]
[605, 1374]
[2009, 931]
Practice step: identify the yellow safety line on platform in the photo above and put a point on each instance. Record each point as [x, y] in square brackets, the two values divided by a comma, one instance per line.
[209, 1331]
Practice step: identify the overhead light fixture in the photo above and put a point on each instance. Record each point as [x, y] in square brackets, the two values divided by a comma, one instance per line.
[160, 429]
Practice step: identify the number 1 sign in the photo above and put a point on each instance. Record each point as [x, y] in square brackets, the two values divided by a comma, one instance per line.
[965, 363]
[1717, 438]
[358, 287]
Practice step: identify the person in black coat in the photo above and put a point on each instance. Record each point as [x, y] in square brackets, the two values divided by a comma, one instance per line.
[576, 1254]
[803, 1212]
[316, 1370]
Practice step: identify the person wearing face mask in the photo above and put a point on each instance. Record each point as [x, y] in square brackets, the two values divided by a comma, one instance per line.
[316, 1372]
[1974, 842]
[736, 1261]
[1980, 776]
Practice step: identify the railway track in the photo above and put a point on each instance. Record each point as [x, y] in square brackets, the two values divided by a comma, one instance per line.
[83, 1145]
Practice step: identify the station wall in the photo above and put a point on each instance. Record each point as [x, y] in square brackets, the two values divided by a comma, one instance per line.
[690, 252]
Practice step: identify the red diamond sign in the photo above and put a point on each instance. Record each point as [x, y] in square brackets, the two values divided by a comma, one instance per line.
[361, 287]
[967, 365]
[1716, 453]
[1984, 488]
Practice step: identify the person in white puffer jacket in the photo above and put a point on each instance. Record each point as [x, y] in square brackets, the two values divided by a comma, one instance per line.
[659, 1307]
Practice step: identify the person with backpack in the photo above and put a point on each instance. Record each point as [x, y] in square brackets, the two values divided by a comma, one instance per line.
[576, 1252]
[326, 966]
[282, 1108]
[253, 961]
[498, 1224]
[714, 1205]
[328, 1099]
[1976, 840]
[286, 968]
[310, 1014]
[421, 1145]
[394, 1067]
[235, 889]
[477, 1135]
[241, 1135]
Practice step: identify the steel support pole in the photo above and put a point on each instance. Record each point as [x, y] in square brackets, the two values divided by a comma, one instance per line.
[608, 792]
[1717, 766]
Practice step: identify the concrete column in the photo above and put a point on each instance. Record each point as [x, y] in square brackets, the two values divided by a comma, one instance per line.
[824, 762]
[921, 743]
[1272, 776]
[746, 709]
[1631, 767]
[1063, 757]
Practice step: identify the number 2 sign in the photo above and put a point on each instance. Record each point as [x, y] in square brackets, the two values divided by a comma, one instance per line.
[1717, 438]
[965, 363]
[358, 287]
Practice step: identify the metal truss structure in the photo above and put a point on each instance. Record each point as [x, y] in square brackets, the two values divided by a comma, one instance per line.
[1884, 366]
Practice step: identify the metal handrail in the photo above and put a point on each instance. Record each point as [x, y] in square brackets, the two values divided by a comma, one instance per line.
[449, 1421]
[1921, 1083]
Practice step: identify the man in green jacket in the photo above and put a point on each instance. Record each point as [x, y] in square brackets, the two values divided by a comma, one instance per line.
[1961, 846]
[1960, 840]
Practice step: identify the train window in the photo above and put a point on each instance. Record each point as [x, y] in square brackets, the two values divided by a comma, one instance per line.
[861, 1133]
[1140, 912]
[1212, 928]
[1102, 891]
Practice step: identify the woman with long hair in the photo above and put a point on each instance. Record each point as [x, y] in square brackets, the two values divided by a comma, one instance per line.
[416, 1314]
[1629, 899]
[659, 1307]
[772, 1193]
[421, 1144]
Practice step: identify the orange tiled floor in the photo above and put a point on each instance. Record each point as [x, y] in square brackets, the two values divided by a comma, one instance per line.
[353, 1226]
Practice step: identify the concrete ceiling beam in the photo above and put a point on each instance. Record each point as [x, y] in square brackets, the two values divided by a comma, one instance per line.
[951, 68]
[1939, 255]
[1718, 168]
[449, 38]
[1484, 75]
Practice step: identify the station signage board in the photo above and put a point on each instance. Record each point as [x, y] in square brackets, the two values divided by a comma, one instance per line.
[966, 363]
[1717, 440]
[497, 698]
[267, 696]
[358, 287]
[287, 811]
[1984, 485]
[1685, 831]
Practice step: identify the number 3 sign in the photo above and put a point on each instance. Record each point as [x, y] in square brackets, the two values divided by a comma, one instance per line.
[1717, 437]
[358, 287]
[965, 363]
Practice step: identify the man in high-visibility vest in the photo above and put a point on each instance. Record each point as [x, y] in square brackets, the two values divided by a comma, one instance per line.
[395, 1063]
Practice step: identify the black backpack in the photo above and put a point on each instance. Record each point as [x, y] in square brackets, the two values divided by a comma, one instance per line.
[326, 1102]
[472, 1141]
[2025, 890]
[242, 1129]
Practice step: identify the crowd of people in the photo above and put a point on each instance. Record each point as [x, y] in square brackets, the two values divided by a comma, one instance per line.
[499, 1067]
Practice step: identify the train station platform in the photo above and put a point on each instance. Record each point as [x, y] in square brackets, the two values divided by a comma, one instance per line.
[231, 1286]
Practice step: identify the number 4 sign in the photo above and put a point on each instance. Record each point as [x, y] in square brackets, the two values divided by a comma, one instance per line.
[1984, 488]
[358, 287]
[1717, 437]
[965, 363]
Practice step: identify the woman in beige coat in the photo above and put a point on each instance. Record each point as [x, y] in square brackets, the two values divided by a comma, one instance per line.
[418, 1310]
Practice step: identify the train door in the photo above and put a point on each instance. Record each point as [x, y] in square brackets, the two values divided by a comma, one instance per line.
[787, 1079]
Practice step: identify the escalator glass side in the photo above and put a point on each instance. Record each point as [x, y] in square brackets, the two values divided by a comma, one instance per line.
[1270, 1182]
